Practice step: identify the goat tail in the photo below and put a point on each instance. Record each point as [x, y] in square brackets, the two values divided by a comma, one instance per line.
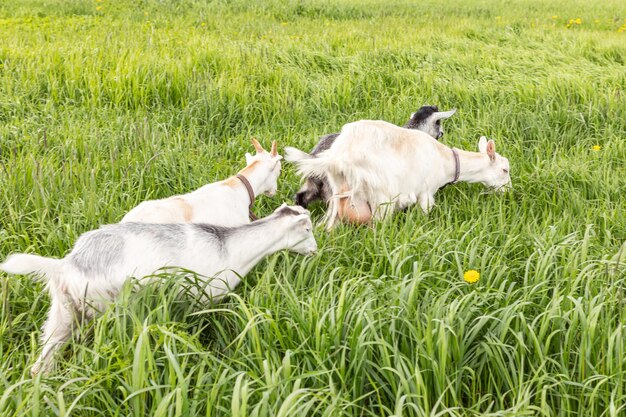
[296, 155]
[308, 165]
[25, 264]
[328, 165]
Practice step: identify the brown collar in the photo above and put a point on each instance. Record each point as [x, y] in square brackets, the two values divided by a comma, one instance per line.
[457, 165]
[457, 168]
[246, 183]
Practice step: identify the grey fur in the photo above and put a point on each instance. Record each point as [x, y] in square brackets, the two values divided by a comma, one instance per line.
[219, 233]
[167, 234]
[424, 119]
[94, 251]
[325, 143]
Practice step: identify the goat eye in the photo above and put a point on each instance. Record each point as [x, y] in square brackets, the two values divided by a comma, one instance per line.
[506, 171]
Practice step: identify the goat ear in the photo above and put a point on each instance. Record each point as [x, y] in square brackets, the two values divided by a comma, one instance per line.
[282, 206]
[303, 220]
[257, 145]
[482, 145]
[248, 158]
[444, 114]
[491, 150]
[273, 152]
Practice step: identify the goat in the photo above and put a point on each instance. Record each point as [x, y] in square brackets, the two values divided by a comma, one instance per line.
[225, 203]
[427, 119]
[92, 274]
[376, 168]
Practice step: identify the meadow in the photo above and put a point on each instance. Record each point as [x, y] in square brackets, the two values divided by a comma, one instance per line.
[104, 104]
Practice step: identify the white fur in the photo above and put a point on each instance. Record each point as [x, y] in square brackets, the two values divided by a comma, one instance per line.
[93, 273]
[223, 203]
[392, 167]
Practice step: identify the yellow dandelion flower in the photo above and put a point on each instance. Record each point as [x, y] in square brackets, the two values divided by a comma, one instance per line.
[99, 8]
[596, 147]
[555, 17]
[597, 21]
[471, 276]
[498, 17]
[578, 21]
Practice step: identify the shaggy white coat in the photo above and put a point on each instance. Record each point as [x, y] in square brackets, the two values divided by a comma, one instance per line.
[391, 168]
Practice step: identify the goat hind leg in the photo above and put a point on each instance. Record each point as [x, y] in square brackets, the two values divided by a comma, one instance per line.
[332, 213]
[56, 331]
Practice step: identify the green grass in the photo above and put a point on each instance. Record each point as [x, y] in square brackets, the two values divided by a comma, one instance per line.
[103, 108]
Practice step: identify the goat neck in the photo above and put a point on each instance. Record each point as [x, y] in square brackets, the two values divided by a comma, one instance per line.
[256, 174]
[250, 243]
[472, 166]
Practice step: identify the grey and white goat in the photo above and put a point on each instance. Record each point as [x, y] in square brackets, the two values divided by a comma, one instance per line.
[427, 119]
[102, 260]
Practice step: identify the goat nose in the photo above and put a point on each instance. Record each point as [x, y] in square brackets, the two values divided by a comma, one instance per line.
[300, 199]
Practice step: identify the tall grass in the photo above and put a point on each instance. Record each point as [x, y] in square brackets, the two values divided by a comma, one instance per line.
[105, 104]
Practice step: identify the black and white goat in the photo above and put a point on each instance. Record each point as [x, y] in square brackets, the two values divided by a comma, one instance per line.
[427, 119]
[93, 273]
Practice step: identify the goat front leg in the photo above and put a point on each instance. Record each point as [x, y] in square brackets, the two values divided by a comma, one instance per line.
[339, 189]
[426, 201]
[332, 214]
[56, 331]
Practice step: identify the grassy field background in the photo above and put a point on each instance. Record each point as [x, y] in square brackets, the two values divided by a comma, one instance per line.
[104, 104]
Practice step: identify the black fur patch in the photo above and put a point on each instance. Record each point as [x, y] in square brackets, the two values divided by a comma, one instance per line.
[287, 211]
[420, 116]
[312, 190]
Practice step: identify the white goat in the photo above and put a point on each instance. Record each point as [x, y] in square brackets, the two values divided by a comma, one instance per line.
[427, 119]
[225, 203]
[93, 273]
[375, 167]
